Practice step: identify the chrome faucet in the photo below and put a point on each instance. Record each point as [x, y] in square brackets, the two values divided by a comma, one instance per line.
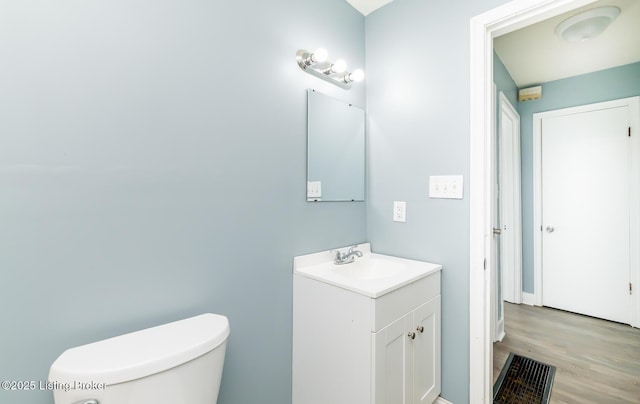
[348, 257]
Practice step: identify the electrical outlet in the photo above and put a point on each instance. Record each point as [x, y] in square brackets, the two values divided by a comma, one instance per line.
[314, 190]
[399, 211]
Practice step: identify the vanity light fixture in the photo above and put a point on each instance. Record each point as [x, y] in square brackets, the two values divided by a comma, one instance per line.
[587, 24]
[316, 63]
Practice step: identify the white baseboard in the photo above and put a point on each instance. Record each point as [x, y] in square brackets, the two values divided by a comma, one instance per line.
[441, 400]
[529, 299]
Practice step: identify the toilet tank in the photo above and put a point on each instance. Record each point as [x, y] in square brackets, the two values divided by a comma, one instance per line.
[178, 362]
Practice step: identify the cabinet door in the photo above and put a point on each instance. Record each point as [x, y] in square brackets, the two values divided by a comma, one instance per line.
[426, 352]
[391, 357]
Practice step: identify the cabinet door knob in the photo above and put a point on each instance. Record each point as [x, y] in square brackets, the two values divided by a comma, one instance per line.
[420, 329]
[411, 335]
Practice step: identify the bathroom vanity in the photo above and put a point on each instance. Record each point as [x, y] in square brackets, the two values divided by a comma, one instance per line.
[367, 332]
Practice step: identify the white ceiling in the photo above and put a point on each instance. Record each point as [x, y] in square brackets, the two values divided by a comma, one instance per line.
[535, 55]
[367, 6]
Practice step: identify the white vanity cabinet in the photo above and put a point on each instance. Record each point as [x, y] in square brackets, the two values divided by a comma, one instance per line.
[356, 349]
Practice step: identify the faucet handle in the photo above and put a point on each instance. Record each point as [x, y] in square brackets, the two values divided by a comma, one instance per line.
[353, 247]
[337, 254]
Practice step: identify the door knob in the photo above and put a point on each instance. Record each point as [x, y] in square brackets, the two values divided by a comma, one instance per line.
[550, 229]
[412, 335]
[420, 329]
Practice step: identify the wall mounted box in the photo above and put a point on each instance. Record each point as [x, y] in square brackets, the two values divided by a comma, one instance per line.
[531, 93]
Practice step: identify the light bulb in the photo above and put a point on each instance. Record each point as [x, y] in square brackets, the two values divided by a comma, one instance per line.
[356, 75]
[320, 55]
[339, 66]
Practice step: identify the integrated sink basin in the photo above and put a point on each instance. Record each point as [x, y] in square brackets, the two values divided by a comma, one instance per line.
[372, 275]
[369, 268]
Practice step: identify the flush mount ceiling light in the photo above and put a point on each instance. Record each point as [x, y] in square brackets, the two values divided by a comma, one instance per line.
[316, 63]
[587, 24]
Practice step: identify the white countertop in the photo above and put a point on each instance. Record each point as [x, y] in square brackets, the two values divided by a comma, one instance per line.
[372, 275]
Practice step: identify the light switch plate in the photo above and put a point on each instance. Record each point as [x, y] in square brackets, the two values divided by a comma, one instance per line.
[399, 211]
[446, 186]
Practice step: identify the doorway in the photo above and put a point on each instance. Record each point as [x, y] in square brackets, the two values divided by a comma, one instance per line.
[504, 19]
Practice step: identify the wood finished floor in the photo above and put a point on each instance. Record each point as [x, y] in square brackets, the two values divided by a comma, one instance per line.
[597, 361]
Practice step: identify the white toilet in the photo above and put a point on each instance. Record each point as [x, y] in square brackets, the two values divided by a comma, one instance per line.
[179, 362]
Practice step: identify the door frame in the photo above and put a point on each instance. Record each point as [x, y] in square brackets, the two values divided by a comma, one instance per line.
[511, 275]
[633, 103]
[497, 322]
[483, 28]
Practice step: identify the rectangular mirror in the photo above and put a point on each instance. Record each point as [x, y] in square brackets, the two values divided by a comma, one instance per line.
[335, 149]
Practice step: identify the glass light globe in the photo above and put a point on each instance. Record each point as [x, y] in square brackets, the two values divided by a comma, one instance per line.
[320, 55]
[356, 75]
[340, 66]
[587, 24]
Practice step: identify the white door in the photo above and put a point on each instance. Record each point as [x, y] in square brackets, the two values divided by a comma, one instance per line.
[497, 302]
[586, 213]
[509, 202]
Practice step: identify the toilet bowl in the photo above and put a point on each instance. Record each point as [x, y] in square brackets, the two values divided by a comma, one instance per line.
[179, 362]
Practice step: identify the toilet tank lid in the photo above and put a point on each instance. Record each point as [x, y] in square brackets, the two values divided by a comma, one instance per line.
[142, 353]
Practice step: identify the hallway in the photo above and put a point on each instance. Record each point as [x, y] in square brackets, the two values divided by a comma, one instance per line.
[597, 361]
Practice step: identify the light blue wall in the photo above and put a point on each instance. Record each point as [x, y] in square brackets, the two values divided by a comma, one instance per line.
[418, 104]
[504, 82]
[153, 167]
[605, 85]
